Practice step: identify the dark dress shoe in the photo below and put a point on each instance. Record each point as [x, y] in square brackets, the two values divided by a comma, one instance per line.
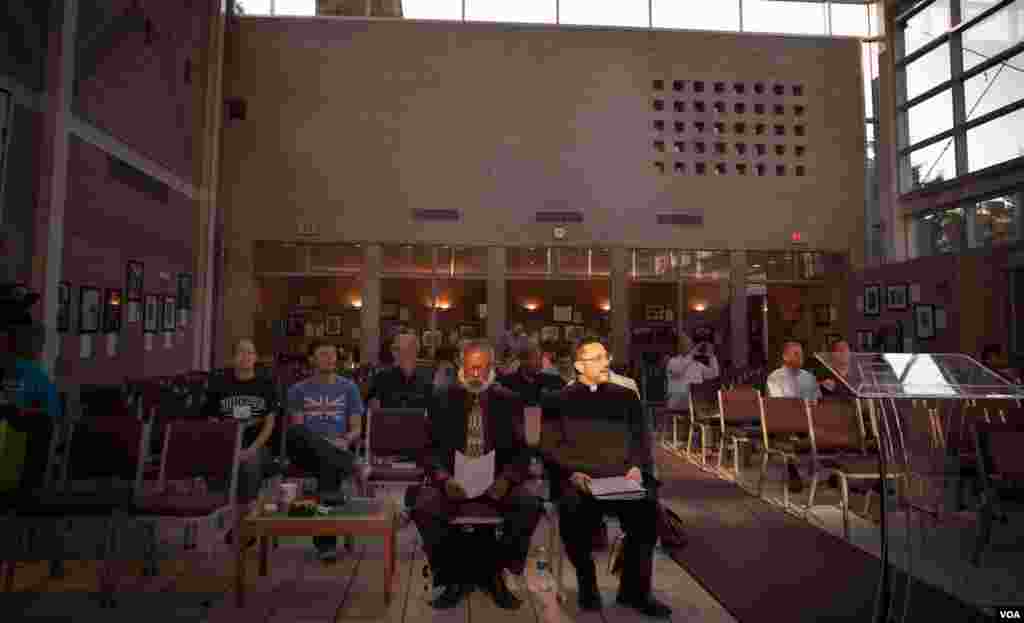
[590, 598]
[502, 596]
[450, 597]
[647, 605]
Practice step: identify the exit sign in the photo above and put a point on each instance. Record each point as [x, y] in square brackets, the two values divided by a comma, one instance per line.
[796, 238]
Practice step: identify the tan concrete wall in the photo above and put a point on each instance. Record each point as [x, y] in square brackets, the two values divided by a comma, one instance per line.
[352, 124]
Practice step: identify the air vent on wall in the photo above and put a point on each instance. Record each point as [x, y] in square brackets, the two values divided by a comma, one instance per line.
[436, 215]
[559, 217]
[141, 182]
[681, 218]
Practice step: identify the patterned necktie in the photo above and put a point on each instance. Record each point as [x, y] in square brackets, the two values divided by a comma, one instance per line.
[475, 429]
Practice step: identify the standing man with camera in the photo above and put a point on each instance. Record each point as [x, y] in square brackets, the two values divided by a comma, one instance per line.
[691, 365]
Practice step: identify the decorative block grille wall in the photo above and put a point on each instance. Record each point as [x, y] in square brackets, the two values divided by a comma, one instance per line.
[718, 127]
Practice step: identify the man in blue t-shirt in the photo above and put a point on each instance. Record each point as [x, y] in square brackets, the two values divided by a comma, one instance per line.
[325, 404]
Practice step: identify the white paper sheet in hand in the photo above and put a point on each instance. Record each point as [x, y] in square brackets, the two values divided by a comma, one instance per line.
[475, 475]
[618, 487]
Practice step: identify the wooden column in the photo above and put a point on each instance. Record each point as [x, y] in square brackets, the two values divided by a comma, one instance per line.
[370, 331]
[497, 293]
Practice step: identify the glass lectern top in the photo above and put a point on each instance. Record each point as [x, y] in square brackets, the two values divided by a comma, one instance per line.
[919, 375]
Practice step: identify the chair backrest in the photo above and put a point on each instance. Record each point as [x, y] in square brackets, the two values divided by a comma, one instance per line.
[835, 425]
[106, 448]
[194, 448]
[392, 432]
[784, 416]
[999, 445]
[741, 405]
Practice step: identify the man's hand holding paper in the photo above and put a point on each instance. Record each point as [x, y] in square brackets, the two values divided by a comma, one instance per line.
[474, 475]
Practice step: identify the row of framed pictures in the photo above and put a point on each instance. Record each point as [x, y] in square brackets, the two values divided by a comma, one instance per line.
[928, 320]
[897, 297]
[100, 311]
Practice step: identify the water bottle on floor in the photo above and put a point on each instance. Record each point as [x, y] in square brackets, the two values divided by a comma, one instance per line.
[543, 581]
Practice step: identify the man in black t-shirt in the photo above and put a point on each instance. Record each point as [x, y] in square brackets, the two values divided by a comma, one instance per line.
[403, 385]
[243, 395]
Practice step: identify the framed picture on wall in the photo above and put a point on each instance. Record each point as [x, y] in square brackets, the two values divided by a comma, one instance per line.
[562, 313]
[865, 341]
[896, 296]
[573, 333]
[654, 313]
[924, 321]
[822, 315]
[481, 311]
[333, 324]
[167, 318]
[151, 314]
[184, 291]
[549, 334]
[872, 299]
[89, 308]
[112, 310]
[295, 325]
[63, 307]
[577, 317]
[467, 331]
[134, 281]
[431, 339]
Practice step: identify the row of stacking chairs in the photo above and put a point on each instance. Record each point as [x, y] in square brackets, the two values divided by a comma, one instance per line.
[103, 497]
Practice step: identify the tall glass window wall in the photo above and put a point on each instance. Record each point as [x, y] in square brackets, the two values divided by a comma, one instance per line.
[981, 223]
[952, 51]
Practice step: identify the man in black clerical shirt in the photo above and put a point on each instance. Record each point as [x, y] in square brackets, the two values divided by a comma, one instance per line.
[243, 395]
[602, 432]
[403, 384]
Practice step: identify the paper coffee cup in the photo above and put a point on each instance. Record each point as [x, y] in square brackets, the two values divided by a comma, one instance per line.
[289, 492]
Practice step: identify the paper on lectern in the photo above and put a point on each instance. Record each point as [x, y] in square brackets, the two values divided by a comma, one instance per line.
[475, 475]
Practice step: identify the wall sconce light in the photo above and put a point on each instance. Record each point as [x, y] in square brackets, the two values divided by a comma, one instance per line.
[442, 305]
[605, 306]
[699, 307]
[531, 306]
[356, 303]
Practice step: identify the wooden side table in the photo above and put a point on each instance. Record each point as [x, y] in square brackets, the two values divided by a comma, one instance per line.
[359, 517]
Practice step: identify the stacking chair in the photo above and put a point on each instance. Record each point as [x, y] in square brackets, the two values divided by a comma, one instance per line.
[395, 442]
[782, 420]
[1002, 467]
[102, 473]
[205, 455]
[836, 429]
[740, 422]
[704, 416]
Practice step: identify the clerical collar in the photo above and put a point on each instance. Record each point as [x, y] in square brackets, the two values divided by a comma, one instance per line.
[592, 388]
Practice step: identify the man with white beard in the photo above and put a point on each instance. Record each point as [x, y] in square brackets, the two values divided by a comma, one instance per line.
[475, 416]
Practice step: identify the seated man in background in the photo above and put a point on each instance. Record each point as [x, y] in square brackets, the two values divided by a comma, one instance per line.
[792, 381]
[528, 382]
[476, 416]
[831, 383]
[603, 433]
[325, 406]
[403, 384]
[243, 395]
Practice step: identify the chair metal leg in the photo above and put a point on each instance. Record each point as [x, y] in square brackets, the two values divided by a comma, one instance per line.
[764, 470]
[844, 489]
[814, 488]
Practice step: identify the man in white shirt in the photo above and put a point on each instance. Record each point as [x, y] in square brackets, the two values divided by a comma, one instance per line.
[791, 381]
[691, 365]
